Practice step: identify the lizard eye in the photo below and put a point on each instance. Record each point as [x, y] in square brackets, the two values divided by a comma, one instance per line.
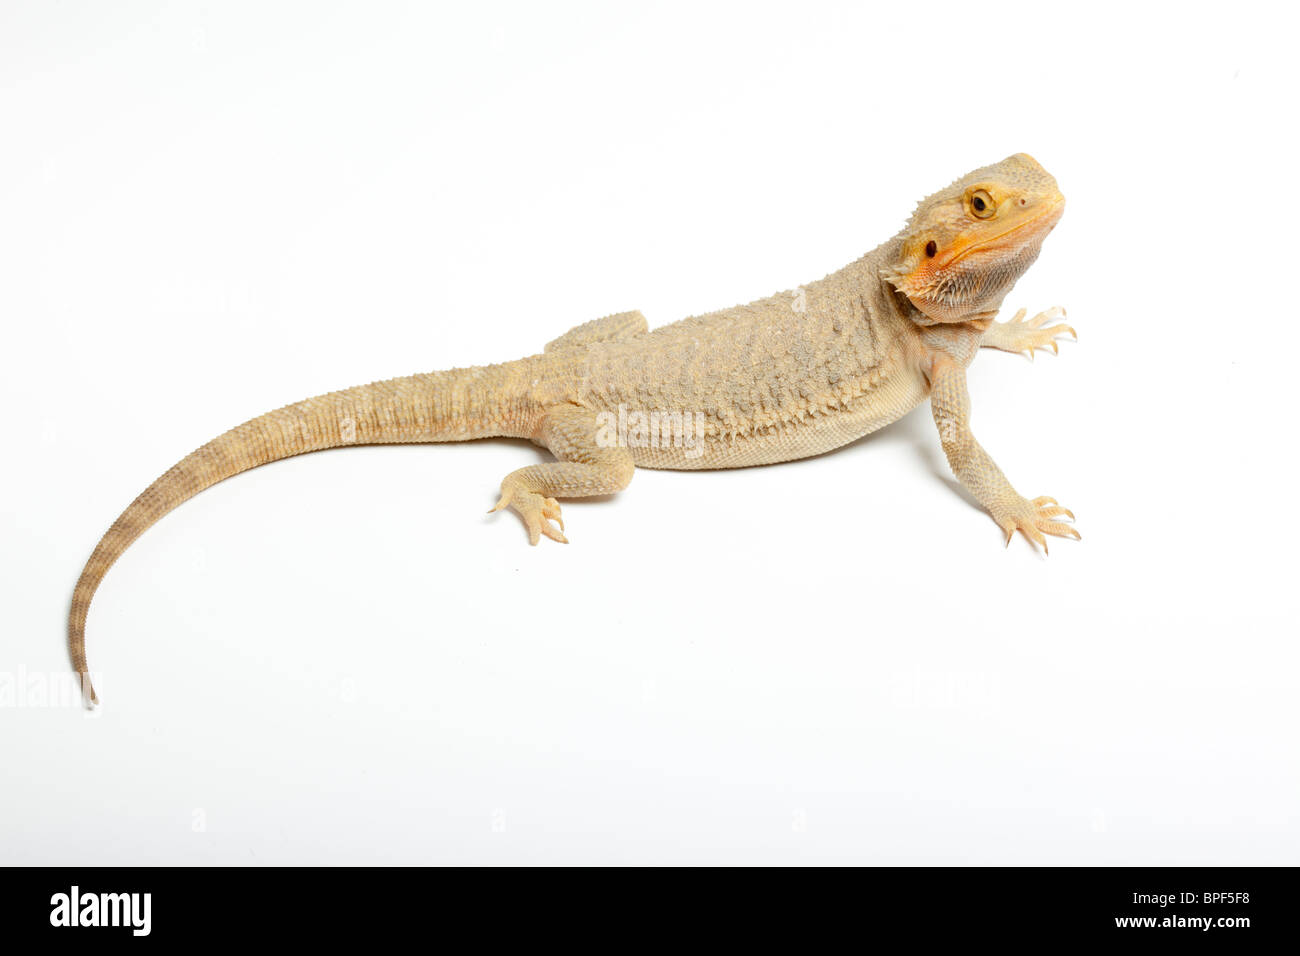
[982, 204]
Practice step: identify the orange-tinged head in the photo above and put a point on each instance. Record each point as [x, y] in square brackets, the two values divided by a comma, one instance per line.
[965, 246]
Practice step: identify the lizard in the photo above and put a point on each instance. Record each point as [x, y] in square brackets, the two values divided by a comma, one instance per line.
[785, 377]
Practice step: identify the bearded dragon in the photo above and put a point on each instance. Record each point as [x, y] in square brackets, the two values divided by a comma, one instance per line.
[792, 375]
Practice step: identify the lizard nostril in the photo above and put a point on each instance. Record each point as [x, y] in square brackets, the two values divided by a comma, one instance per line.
[1023, 201]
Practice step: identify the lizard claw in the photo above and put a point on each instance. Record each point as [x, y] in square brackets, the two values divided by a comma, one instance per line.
[1033, 519]
[1026, 336]
[537, 511]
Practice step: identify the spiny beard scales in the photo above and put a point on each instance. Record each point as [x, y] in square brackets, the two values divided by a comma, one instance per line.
[980, 280]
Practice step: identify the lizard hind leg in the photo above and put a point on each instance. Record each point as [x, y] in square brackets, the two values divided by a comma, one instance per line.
[587, 466]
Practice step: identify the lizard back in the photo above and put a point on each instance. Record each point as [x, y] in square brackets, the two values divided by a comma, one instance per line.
[788, 376]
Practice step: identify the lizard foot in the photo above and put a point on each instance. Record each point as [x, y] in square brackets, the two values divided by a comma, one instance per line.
[1019, 335]
[1033, 519]
[537, 511]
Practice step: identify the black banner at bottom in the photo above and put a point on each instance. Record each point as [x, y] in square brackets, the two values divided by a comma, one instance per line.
[1231, 907]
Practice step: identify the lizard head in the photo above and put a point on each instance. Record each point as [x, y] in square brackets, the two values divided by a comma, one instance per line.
[965, 246]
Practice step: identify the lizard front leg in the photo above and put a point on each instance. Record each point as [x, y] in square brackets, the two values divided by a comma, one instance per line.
[1019, 335]
[950, 403]
[586, 467]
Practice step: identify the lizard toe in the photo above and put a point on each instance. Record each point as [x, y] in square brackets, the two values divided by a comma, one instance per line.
[537, 513]
[1034, 519]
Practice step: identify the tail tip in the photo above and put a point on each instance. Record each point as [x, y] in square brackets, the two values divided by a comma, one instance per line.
[88, 691]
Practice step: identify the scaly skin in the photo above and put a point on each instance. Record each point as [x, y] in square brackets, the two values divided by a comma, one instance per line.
[785, 377]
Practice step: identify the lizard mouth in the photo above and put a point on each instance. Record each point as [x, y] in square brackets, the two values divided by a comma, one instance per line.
[985, 270]
[1036, 227]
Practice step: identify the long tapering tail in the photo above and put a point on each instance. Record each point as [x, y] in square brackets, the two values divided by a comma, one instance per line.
[455, 405]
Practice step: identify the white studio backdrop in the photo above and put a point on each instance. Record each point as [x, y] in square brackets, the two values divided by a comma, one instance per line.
[210, 210]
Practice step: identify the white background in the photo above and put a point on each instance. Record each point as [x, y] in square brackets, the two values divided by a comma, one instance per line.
[207, 211]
